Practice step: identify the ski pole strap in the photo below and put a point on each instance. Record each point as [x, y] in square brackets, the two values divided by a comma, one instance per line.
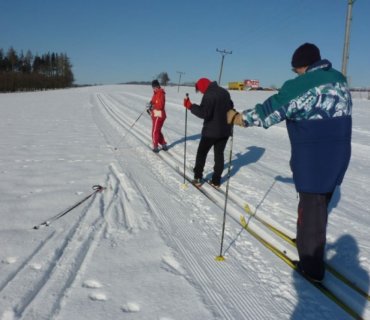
[97, 188]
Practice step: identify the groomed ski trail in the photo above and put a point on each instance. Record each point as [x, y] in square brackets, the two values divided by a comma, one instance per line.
[229, 288]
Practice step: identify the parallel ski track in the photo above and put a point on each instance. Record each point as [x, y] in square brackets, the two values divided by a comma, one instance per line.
[26, 262]
[32, 284]
[173, 160]
[208, 273]
[277, 228]
[43, 291]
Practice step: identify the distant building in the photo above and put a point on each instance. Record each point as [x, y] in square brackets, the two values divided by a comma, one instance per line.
[236, 85]
[249, 84]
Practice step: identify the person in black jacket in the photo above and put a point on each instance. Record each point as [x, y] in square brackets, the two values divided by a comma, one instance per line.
[213, 108]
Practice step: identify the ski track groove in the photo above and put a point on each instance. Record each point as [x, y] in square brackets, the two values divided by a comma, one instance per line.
[197, 269]
[233, 196]
[122, 198]
[26, 262]
[34, 285]
[45, 293]
[207, 267]
[116, 114]
[72, 256]
[90, 242]
[146, 199]
[239, 203]
[204, 270]
[22, 275]
[122, 121]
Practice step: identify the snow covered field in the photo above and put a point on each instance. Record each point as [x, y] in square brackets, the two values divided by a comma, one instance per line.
[145, 247]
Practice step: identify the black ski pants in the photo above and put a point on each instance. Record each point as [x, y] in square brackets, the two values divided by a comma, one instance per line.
[205, 145]
[311, 232]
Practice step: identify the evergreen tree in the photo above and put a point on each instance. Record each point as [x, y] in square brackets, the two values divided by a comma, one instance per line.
[28, 72]
[2, 64]
[13, 59]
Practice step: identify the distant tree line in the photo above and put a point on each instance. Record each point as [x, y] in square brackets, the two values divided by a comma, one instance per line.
[25, 72]
[162, 77]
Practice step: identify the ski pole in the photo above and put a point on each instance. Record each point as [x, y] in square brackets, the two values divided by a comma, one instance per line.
[221, 257]
[46, 223]
[186, 129]
[129, 129]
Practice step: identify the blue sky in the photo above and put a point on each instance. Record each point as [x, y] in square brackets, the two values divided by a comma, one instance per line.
[114, 41]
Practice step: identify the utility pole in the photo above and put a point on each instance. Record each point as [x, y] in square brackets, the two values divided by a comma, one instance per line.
[346, 37]
[180, 74]
[224, 53]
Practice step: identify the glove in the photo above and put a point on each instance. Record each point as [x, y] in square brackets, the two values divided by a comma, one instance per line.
[187, 103]
[149, 108]
[234, 117]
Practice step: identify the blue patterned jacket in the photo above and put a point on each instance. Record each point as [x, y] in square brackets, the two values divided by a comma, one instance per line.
[317, 107]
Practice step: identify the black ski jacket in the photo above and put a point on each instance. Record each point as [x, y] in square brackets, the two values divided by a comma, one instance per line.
[213, 109]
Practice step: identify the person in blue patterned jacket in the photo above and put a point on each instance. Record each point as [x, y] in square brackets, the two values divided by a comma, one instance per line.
[317, 108]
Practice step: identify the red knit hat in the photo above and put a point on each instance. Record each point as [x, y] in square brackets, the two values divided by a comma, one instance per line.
[202, 85]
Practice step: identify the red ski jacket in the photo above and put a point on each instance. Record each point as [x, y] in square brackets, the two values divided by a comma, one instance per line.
[158, 102]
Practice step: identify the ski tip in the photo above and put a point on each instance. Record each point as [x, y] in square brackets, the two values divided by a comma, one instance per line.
[220, 258]
[243, 222]
[247, 209]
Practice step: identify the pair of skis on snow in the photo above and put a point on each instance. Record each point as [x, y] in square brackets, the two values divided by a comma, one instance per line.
[336, 286]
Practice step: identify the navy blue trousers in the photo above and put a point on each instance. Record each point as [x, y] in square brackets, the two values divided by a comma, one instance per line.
[311, 232]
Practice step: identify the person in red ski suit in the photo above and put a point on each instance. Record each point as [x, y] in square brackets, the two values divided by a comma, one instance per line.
[158, 114]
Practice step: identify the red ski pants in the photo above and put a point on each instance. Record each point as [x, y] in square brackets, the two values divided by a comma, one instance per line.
[157, 136]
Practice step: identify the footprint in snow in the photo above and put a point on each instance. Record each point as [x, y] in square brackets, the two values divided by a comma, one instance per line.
[131, 307]
[36, 266]
[98, 296]
[92, 284]
[10, 260]
[8, 315]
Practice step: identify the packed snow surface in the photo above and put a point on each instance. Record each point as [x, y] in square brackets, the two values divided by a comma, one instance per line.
[145, 247]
